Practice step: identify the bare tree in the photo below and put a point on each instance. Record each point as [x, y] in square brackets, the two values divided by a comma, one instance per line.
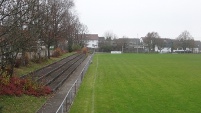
[160, 43]
[53, 13]
[13, 15]
[151, 40]
[26, 23]
[109, 35]
[121, 43]
[82, 31]
[185, 40]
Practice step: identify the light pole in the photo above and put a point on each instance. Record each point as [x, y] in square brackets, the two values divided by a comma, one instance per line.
[122, 49]
[137, 43]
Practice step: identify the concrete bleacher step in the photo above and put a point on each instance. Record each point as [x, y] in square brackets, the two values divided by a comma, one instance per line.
[59, 81]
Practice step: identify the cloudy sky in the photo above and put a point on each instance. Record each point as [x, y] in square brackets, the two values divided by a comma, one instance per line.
[134, 18]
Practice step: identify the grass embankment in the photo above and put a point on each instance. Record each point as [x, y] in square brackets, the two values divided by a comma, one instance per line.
[26, 104]
[34, 66]
[141, 83]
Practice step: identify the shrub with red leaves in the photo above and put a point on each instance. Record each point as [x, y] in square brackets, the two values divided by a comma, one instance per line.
[18, 86]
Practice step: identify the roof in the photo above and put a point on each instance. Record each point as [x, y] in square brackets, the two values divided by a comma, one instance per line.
[101, 38]
[198, 44]
[128, 40]
[91, 37]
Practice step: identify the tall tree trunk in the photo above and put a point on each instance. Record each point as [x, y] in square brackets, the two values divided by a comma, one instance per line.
[48, 51]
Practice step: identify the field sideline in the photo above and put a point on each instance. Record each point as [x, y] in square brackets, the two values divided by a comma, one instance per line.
[141, 83]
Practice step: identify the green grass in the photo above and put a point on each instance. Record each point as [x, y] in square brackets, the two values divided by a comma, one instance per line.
[141, 83]
[26, 104]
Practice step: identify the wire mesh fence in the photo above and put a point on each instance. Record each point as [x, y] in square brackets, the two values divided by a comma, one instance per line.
[68, 100]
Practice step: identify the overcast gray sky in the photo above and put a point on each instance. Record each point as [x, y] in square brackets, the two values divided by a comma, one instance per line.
[131, 17]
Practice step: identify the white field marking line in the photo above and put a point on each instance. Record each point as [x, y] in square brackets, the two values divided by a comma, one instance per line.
[92, 111]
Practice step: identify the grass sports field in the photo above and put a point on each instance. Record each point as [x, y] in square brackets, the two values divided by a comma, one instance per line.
[141, 83]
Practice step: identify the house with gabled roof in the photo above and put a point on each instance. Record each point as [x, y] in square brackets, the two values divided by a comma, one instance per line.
[165, 46]
[91, 40]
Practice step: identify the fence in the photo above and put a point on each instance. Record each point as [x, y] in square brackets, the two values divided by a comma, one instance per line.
[68, 100]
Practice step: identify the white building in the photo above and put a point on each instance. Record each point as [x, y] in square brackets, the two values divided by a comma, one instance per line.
[163, 50]
[91, 40]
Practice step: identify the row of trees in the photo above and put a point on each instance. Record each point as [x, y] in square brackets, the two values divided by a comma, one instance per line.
[150, 41]
[26, 24]
[183, 41]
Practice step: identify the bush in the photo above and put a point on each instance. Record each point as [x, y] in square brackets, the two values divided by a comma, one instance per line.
[22, 61]
[26, 59]
[35, 59]
[16, 86]
[85, 50]
[57, 52]
[70, 49]
[1, 108]
[76, 47]
[18, 63]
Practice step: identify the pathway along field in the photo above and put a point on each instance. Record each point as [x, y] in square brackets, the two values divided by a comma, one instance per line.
[141, 83]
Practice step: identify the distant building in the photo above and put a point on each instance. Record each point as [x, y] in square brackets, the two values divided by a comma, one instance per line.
[127, 45]
[165, 46]
[91, 40]
[168, 45]
[197, 48]
[101, 39]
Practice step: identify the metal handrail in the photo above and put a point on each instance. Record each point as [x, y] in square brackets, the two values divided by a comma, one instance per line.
[61, 107]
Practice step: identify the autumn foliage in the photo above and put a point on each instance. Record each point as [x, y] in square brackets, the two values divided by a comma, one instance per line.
[57, 52]
[16, 86]
[85, 50]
